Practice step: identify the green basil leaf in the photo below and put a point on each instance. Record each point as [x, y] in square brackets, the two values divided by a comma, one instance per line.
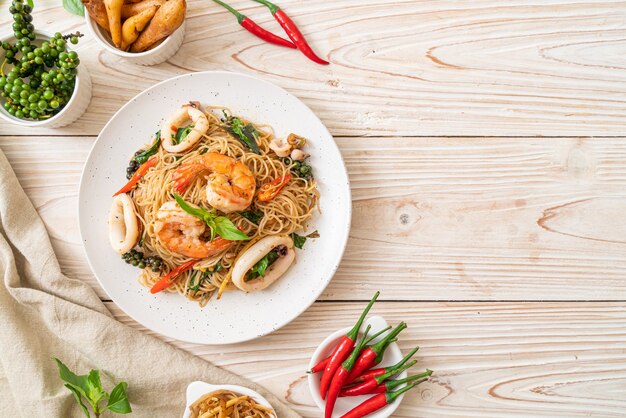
[182, 133]
[246, 134]
[202, 276]
[74, 6]
[79, 385]
[259, 269]
[145, 155]
[199, 213]
[298, 240]
[227, 230]
[253, 216]
[79, 399]
[95, 393]
[78, 382]
[118, 401]
[193, 286]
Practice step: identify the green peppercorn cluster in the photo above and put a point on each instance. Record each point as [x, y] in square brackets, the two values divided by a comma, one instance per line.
[42, 78]
[136, 258]
[299, 168]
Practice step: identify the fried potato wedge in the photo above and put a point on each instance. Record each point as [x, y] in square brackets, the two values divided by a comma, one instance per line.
[132, 9]
[97, 11]
[167, 19]
[134, 25]
[114, 14]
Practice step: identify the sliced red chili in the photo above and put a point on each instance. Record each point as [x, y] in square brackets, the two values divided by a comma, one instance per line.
[167, 280]
[270, 190]
[141, 171]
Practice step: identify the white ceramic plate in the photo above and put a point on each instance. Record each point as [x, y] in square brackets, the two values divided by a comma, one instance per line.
[197, 389]
[237, 316]
[343, 405]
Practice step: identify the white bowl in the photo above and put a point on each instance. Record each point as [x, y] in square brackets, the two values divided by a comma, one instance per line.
[197, 389]
[157, 55]
[73, 109]
[343, 405]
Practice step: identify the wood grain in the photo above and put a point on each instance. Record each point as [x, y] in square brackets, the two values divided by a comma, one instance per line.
[434, 219]
[400, 68]
[490, 360]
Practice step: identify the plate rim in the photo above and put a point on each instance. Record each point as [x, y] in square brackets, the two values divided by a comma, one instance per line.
[346, 234]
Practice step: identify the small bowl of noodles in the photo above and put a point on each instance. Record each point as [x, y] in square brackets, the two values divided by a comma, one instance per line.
[214, 401]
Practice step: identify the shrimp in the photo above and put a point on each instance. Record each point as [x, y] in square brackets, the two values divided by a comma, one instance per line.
[230, 186]
[187, 113]
[182, 233]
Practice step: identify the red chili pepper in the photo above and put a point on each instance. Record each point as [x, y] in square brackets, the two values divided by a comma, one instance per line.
[141, 171]
[271, 189]
[377, 402]
[341, 375]
[255, 29]
[368, 356]
[380, 384]
[370, 374]
[345, 346]
[167, 280]
[292, 31]
[321, 365]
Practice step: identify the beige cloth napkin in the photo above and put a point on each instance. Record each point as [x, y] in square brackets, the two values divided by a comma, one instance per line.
[45, 314]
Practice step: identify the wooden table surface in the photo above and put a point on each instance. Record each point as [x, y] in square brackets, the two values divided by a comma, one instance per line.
[486, 146]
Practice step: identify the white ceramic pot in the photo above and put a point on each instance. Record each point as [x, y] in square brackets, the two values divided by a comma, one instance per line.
[157, 55]
[197, 389]
[343, 405]
[71, 111]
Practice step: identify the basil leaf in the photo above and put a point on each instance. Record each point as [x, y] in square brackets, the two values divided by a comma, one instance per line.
[220, 225]
[79, 399]
[202, 276]
[118, 401]
[253, 216]
[199, 213]
[298, 240]
[74, 7]
[182, 133]
[261, 266]
[77, 382]
[227, 230]
[314, 234]
[95, 393]
[145, 155]
[192, 283]
[246, 134]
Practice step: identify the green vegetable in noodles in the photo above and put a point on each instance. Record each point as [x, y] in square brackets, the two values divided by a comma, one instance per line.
[259, 269]
[253, 216]
[219, 225]
[182, 133]
[246, 134]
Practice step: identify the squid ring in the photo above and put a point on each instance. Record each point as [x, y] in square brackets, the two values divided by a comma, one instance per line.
[252, 256]
[123, 225]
